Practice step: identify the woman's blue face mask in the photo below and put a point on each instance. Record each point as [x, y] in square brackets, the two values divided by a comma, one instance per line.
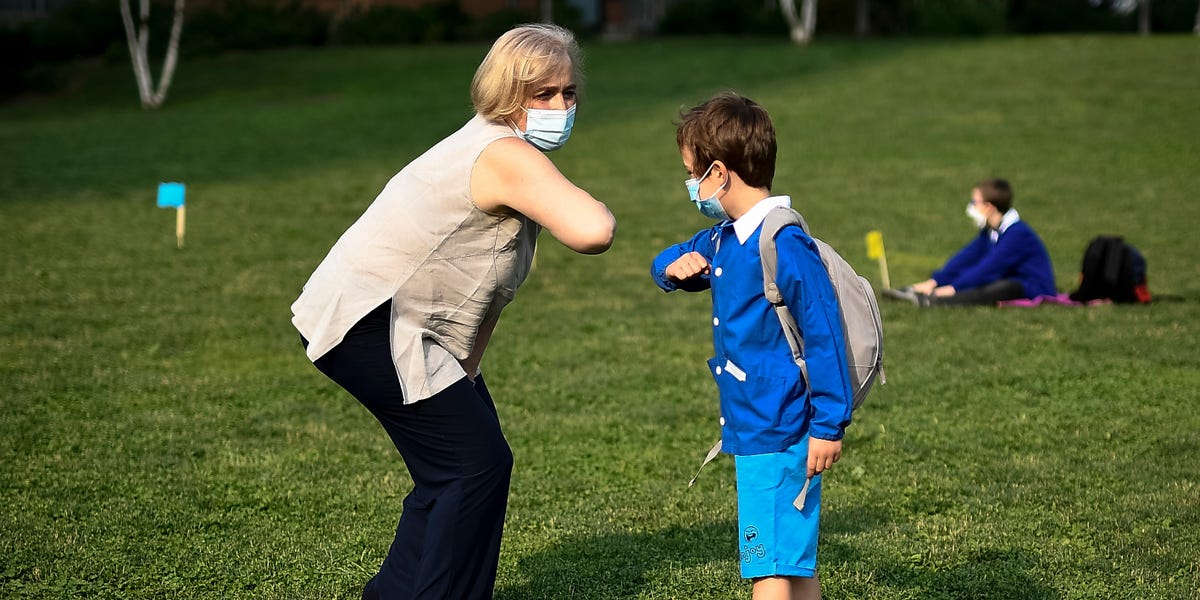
[710, 206]
[548, 129]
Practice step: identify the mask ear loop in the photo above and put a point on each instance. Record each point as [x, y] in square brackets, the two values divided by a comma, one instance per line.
[513, 124]
[701, 179]
[724, 186]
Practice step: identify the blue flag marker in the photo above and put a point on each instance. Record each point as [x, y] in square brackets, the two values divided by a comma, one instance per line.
[170, 195]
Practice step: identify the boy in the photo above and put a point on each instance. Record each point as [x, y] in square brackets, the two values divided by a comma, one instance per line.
[782, 433]
[1005, 261]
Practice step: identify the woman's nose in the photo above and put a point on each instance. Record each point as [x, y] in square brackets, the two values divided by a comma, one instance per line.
[558, 102]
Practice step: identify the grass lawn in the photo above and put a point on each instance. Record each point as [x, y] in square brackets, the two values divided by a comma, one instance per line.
[163, 436]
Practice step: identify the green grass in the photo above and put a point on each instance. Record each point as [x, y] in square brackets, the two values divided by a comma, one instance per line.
[162, 435]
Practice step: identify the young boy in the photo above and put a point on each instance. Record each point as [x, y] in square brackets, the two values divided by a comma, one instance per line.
[782, 433]
[1006, 260]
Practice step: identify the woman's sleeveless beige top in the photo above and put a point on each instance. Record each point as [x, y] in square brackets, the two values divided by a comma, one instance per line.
[447, 266]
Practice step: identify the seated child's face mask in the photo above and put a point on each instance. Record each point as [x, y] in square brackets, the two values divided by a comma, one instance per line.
[710, 206]
[977, 217]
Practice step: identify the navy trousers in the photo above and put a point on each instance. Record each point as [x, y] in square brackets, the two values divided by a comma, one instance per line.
[996, 291]
[447, 542]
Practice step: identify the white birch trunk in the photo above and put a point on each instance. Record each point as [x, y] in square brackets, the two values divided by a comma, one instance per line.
[1144, 17]
[802, 25]
[1196, 28]
[139, 42]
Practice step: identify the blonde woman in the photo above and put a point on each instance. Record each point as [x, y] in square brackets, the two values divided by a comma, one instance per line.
[401, 310]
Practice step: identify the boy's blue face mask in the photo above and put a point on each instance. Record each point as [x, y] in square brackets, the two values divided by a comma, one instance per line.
[710, 206]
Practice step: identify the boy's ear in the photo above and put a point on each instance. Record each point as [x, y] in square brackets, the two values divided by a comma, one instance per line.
[726, 174]
[719, 167]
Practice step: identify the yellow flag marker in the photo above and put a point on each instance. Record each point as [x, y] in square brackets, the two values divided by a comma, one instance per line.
[875, 252]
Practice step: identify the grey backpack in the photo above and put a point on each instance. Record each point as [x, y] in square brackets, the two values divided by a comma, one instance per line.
[861, 325]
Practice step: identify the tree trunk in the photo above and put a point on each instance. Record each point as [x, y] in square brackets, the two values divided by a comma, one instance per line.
[547, 11]
[862, 17]
[139, 43]
[1144, 17]
[135, 51]
[809, 15]
[1196, 29]
[802, 25]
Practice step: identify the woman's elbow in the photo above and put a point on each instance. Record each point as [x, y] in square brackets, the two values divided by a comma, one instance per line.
[599, 235]
[593, 234]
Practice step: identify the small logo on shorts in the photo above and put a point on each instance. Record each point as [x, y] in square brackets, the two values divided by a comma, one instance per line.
[751, 534]
[749, 552]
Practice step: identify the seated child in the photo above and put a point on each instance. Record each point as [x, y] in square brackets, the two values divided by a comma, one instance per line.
[1006, 261]
[782, 433]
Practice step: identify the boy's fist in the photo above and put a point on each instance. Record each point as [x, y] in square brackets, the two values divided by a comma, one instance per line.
[687, 266]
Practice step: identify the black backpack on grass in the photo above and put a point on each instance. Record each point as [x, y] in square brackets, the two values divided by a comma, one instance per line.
[1112, 270]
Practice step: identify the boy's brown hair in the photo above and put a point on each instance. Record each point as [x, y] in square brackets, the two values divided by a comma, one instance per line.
[996, 192]
[734, 130]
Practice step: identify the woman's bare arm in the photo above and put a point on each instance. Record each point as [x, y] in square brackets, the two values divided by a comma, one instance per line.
[511, 174]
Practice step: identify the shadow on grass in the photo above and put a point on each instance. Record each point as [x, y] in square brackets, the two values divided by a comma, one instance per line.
[677, 561]
[998, 571]
[616, 565]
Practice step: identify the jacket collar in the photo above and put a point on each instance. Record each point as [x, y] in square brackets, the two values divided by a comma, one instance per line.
[748, 223]
[1008, 220]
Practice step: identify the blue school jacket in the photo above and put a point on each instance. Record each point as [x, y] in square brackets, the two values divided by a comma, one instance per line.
[764, 404]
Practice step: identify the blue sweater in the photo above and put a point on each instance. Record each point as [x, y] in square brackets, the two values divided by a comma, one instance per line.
[1018, 253]
[764, 404]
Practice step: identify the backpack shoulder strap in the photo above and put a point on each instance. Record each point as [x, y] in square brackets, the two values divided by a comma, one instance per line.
[778, 218]
[775, 221]
[1113, 255]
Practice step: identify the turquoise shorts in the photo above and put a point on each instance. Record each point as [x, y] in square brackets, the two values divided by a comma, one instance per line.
[775, 538]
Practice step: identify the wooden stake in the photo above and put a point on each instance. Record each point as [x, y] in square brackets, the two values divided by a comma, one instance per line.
[883, 271]
[180, 225]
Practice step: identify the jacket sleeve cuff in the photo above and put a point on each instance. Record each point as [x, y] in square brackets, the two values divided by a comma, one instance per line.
[824, 432]
[661, 280]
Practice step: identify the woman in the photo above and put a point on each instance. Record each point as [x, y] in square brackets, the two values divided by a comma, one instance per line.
[401, 310]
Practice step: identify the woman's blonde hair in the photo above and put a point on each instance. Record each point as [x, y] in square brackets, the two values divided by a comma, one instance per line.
[519, 61]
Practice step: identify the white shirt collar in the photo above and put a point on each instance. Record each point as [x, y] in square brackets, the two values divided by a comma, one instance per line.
[749, 222]
[1006, 221]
